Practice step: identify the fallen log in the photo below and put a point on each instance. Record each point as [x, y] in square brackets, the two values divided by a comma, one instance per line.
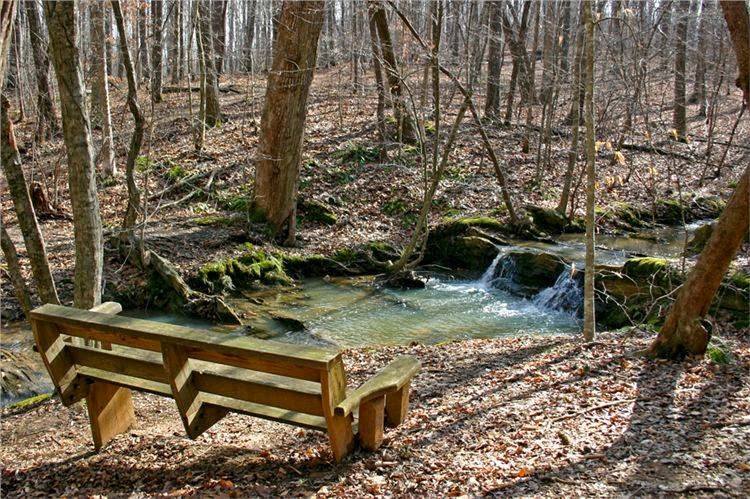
[175, 89]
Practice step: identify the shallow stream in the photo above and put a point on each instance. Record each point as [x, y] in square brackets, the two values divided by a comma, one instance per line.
[353, 312]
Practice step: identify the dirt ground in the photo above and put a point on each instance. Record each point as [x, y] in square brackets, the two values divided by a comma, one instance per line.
[545, 416]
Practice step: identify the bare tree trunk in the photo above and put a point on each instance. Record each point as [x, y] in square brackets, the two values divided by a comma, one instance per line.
[218, 27]
[156, 59]
[738, 21]
[7, 18]
[143, 64]
[377, 12]
[213, 108]
[100, 109]
[174, 49]
[14, 271]
[19, 193]
[575, 121]
[250, 36]
[494, 62]
[87, 224]
[134, 195]
[285, 109]
[379, 84]
[47, 124]
[589, 319]
[679, 119]
[699, 82]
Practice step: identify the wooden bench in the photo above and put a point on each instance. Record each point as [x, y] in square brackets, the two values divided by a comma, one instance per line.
[210, 374]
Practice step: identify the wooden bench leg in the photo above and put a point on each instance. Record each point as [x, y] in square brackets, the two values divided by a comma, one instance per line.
[333, 385]
[371, 416]
[396, 405]
[110, 412]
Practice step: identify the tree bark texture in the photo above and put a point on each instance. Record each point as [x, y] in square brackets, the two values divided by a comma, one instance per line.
[679, 120]
[213, 108]
[156, 49]
[283, 119]
[738, 21]
[47, 124]
[589, 318]
[100, 108]
[494, 64]
[87, 224]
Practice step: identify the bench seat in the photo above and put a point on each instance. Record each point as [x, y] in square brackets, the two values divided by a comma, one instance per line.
[210, 374]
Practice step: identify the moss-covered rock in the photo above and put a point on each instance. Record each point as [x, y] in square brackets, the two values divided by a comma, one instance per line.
[316, 211]
[299, 266]
[644, 267]
[405, 279]
[528, 272]
[669, 211]
[253, 268]
[551, 221]
[701, 236]
[625, 216]
[465, 243]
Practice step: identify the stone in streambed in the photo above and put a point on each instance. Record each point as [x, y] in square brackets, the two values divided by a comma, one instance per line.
[405, 279]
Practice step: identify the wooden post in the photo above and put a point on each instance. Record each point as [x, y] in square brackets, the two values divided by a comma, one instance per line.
[110, 412]
[57, 359]
[340, 433]
[196, 416]
[396, 405]
[371, 415]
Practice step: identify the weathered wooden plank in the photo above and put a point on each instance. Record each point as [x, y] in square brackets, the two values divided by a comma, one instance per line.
[266, 412]
[394, 376]
[110, 410]
[196, 416]
[340, 431]
[271, 351]
[260, 393]
[92, 374]
[371, 417]
[118, 362]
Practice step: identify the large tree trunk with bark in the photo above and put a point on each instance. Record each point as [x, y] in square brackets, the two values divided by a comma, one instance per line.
[283, 120]
[100, 109]
[393, 76]
[7, 18]
[87, 224]
[14, 270]
[19, 193]
[47, 125]
[738, 21]
[212, 106]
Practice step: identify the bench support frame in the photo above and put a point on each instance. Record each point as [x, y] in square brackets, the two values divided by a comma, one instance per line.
[110, 411]
[340, 434]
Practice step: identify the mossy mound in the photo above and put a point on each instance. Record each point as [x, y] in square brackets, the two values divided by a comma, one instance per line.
[368, 258]
[699, 240]
[625, 216]
[465, 243]
[552, 222]
[252, 269]
[316, 211]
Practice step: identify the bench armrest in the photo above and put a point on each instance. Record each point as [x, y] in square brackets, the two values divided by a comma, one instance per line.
[391, 379]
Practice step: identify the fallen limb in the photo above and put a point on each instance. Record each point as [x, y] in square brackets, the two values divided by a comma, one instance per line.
[192, 302]
[175, 89]
[192, 193]
[186, 181]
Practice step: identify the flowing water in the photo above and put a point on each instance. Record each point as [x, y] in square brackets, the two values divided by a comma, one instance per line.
[353, 312]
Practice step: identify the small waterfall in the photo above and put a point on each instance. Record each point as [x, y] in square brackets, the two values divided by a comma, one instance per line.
[566, 294]
[488, 278]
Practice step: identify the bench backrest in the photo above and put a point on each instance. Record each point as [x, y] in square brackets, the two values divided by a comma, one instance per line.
[207, 373]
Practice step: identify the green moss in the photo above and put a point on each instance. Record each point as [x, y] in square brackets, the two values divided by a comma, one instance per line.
[719, 354]
[741, 280]
[29, 402]
[462, 224]
[429, 127]
[175, 173]
[317, 211]
[669, 211]
[355, 152]
[216, 220]
[646, 266]
[254, 267]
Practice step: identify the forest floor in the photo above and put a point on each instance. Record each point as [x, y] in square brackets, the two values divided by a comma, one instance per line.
[372, 201]
[532, 416]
